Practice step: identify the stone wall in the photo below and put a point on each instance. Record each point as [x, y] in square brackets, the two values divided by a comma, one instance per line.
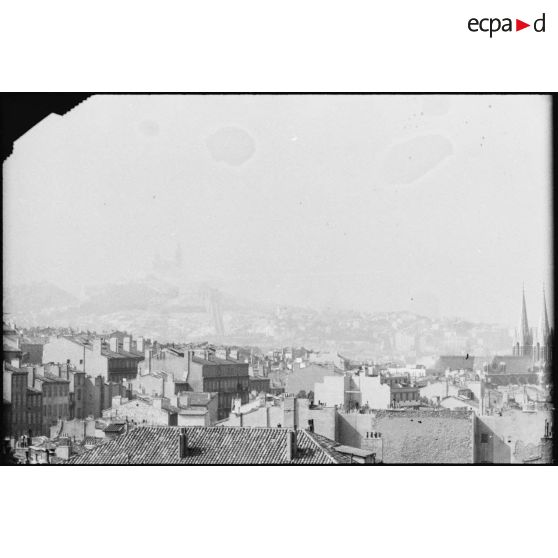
[413, 436]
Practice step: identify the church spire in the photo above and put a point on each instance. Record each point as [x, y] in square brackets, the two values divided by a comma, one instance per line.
[524, 326]
[523, 345]
[544, 327]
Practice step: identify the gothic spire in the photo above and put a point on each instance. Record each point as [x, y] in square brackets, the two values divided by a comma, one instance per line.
[525, 335]
[544, 327]
[524, 332]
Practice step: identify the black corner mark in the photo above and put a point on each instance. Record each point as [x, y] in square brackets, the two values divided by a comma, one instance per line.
[19, 112]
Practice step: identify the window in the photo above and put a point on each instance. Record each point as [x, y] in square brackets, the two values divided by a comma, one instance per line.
[484, 438]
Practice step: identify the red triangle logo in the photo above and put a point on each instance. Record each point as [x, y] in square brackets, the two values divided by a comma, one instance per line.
[519, 25]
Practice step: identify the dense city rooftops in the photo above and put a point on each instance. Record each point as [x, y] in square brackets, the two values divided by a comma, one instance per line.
[214, 445]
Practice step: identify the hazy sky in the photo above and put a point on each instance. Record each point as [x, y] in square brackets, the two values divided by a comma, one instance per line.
[439, 204]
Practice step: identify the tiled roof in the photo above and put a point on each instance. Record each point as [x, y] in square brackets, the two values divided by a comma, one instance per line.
[53, 378]
[330, 446]
[105, 351]
[212, 445]
[92, 441]
[455, 362]
[353, 451]
[121, 354]
[115, 427]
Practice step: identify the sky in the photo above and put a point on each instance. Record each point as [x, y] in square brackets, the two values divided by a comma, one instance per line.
[434, 204]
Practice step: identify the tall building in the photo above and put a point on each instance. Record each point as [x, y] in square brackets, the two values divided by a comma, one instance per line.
[543, 341]
[534, 344]
[523, 344]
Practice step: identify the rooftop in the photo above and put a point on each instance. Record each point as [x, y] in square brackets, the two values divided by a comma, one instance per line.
[14, 369]
[216, 361]
[105, 351]
[115, 427]
[212, 445]
[51, 378]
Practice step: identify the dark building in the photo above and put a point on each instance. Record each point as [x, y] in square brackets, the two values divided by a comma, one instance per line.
[404, 394]
[15, 419]
[32, 352]
[228, 378]
[260, 384]
[55, 399]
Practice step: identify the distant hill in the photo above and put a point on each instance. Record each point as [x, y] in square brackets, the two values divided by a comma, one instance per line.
[33, 297]
[187, 312]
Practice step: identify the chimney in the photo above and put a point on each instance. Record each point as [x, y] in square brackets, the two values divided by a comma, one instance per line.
[190, 355]
[127, 344]
[291, 445]
[311, 425]
[148, 356]
[140, 345]
[183, 443]
[113, 344]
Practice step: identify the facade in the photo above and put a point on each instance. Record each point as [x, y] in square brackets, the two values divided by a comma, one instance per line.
[401, 395]
[289, 412]
[411, 436]
[515, 369]
[15, 420]
[32, 353]
[169, 360]
[114, 361]
[259, 384]
[514, 437]
[55, 399]
[353, 391]
[453, 402]
[229, 378]
[11, 345]
[374, 393]
[411, 372]
[34, 411]
[189, 409]
[153, 412]
[154, 384]
[304, 379]
[333, 390]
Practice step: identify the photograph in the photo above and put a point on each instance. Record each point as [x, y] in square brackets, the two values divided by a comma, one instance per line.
[278, 279]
